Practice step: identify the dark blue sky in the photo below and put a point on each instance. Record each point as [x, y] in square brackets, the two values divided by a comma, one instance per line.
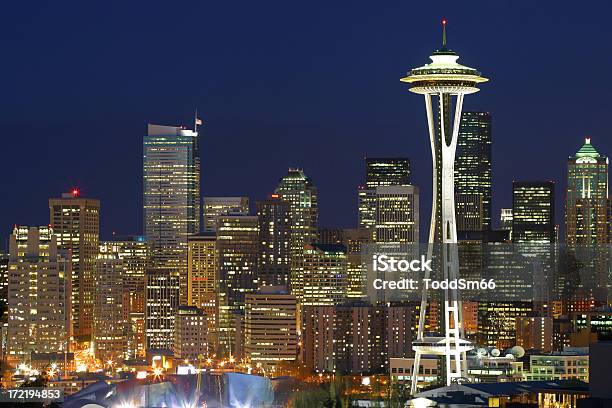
[311, 84]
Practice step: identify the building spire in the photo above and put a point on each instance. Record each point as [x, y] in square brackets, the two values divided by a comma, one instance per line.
[444, 33]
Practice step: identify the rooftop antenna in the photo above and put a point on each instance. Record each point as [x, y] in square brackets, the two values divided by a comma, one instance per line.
[444, 21]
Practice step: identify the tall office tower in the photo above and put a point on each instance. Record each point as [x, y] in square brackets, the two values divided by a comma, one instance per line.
[473, 172]
[4, 261]
[171, 185]
[355, 240]
[162, 300]
[203, 282]
[505, 219]
[586, 205]
[38, 294]
[270, 330]
[274, 241]
[387, 171]
[325, 280]
[216, 206]
[110, 331]
[380, 172]
[191, 334]
[449, 82]
[75, 221]
[533, 212]
[133, 252]
[297, 189]
[397, 214]
[238, 249]
[366, 209]
[587, 226]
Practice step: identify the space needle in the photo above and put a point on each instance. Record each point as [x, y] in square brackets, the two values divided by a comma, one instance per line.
[445, 82]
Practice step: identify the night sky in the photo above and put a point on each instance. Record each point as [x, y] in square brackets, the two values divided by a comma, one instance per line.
[279, 83]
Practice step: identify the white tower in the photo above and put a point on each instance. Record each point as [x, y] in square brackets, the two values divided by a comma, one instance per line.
[449, 81]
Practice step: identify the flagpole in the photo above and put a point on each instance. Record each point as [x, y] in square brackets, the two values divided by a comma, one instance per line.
[195, 121]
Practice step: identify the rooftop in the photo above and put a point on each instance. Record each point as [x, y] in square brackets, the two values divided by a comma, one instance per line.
[587, 150]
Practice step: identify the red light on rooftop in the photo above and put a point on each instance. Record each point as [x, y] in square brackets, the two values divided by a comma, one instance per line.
[75, 192]
[444, 21]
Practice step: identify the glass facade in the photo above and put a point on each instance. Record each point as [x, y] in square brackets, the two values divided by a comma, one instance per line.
[297, 189]
[533, 212]
[473, 172]
[171, 187]
[387, 172]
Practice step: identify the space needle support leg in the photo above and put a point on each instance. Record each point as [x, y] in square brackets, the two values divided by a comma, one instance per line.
[450, 262]
[432, 233]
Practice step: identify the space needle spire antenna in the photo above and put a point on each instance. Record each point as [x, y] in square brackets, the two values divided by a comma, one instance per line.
[444, 33]
[443, 82]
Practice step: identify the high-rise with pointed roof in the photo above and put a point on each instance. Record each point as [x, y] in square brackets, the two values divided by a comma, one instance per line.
[297, 190]
[586, 218]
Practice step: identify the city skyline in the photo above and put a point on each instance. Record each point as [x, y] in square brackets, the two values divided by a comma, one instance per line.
[230, 114]
[236, 255]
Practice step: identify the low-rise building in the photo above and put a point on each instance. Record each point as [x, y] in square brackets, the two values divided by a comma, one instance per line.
[570, 364]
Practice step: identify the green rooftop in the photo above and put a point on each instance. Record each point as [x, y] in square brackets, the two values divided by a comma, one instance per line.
[587, 149]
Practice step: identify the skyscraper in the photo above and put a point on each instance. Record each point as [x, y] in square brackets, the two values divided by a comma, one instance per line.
[75, 221]
[162, 300]
[270, 327]
[505, 219]
[297, 189]
[274, 241]
[38, 294]
[4, 260]
[110, 331]
[238, 249]
[387, 171]
[397, 214]
[132, 251]
[203, 282]
[325, 274]
[171, 176]
[380, 172]
[586, 218]
[473, 172]
[171, 187]
[216, 206]
[449, 81]
[587, 224]
[533, 212]
[355, 240]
